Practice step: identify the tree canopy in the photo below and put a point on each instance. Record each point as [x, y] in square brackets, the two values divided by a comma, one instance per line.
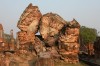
[88, 35]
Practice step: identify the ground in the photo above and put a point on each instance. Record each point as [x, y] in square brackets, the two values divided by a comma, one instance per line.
[64, 64]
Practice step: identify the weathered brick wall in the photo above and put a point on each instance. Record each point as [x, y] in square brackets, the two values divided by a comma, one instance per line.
[69, 43]
[97, 48]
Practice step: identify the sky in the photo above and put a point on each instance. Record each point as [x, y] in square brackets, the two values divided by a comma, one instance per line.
[86, 12]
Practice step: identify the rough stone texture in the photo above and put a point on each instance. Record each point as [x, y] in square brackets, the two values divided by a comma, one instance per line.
[25, 37]
[30, 19]
[51, 24]
[50, 41]
[45, 59]
[38, 45]
[22, 59]
[29, 24]
[29, 44]
[19, 58]
[68, 42]
[45, 62]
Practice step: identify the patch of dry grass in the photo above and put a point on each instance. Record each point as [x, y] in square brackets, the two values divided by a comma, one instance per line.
[65, 64]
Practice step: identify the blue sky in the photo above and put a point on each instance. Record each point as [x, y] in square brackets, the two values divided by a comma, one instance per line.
[86, 12]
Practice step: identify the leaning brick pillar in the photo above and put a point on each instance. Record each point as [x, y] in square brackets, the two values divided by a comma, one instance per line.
[69, 42]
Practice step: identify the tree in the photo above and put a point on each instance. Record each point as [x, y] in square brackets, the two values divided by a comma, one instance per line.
[88, 35]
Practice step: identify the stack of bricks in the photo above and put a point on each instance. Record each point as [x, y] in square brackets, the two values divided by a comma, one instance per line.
[68, 42]
[28, 24]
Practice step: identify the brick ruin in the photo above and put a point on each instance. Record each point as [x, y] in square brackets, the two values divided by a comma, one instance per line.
[59, 37]
[97, 48]
[6, 46]
[58, 40]
[69, 42]
[1, 37]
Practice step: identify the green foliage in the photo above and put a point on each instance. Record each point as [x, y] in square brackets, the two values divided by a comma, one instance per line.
[88, 34]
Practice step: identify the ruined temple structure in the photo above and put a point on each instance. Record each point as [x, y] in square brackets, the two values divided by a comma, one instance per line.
[7, 42]
[97, 48]
[1, 31]
[59, 37]
[12, 41]
[58, 40]
[4, 48]
[1, 37]
[68, 42]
